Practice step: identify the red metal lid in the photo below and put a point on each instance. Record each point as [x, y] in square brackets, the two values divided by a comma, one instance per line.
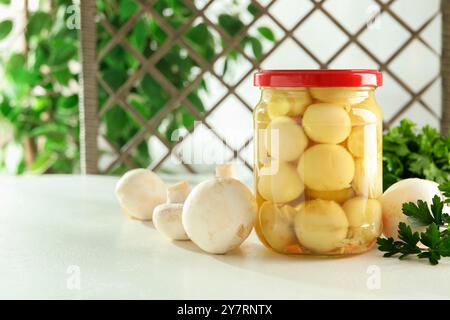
[318, 78]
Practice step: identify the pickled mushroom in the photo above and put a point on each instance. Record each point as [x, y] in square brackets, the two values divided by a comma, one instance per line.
[286, 139]
[326, 167]
[321, 225]
[278, 106]
[361, 117]
[355, 142]
[368, 179]
[366, 214]
[294, 249]
[279, 182]
[326, 123]
[340, 95]
[339, 196]
[292, 106]
[366, 112]
[299, 102]
[277, 225]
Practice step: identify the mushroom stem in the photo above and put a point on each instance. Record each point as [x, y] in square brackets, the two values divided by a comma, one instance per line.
[178, 192]
[225, 171]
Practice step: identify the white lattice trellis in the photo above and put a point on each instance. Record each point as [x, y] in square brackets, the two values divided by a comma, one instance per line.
[390, 23]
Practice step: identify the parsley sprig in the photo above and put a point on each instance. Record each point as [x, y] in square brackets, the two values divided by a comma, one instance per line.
[445, 189]
[434, 243]
[412, 152]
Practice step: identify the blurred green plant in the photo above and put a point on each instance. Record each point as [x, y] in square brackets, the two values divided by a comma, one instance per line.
[39, 98]
[412, 153]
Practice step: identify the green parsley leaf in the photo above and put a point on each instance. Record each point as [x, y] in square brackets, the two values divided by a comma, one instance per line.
[405, 233]
[431, 237]
[419, 214]
[444, 247]
[445, 189]
[389, 246]
[436, 208]
[435, 239]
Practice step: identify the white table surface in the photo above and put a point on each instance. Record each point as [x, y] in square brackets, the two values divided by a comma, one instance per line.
[50, 224]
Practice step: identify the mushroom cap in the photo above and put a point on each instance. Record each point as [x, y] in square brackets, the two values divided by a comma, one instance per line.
[218, 214]
[167, 220]
[339, 196]
[321, 225]
[290, 103]
[327, 123]
[368, 180]
[366, 112]
[286, 139]
[326, 167]
[139, 191]
[356, 142]
[340, 95]
[277, 225]
[408, 190]
[281, 185]
[178, 192]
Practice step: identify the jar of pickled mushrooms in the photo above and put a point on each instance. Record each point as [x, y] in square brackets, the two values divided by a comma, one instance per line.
[318, 161]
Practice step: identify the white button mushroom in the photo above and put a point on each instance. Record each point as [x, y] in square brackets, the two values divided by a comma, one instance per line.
[321, 225]
[408, 190]
[219, 214]
[167, 216]
[139, 191]
[327, 123]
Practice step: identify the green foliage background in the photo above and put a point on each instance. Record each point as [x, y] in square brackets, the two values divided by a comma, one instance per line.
[409, 152]
[39, 89]
[39, 95]
[36, 99]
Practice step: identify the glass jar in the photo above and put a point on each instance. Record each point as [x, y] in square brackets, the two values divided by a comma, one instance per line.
[318, 161]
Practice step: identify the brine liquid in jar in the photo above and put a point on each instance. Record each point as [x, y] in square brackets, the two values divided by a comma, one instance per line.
[318, 161]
